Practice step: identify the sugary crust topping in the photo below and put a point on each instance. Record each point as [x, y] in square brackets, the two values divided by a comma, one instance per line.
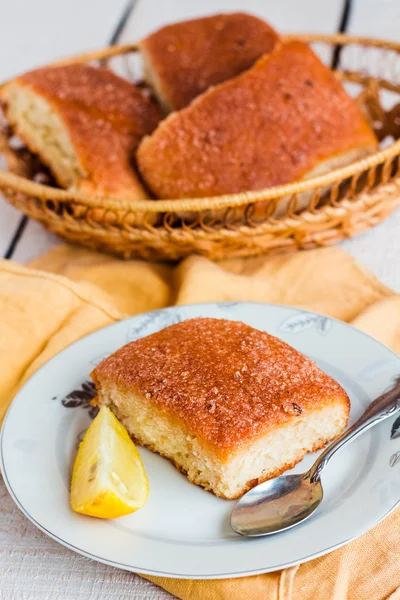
[228, 383]
[271, 125]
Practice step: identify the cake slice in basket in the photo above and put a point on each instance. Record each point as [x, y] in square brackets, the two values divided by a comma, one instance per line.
[285, 119]
[84, 123]
[184, 59]
[229, 405]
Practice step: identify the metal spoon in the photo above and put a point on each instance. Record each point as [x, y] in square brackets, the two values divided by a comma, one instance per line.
[285, 501]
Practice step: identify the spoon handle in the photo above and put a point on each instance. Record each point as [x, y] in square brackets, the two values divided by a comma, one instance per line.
[383, 407]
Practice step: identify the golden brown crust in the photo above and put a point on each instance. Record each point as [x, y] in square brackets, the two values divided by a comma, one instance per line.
[105, 118]
[188, 57]
[227, 383]
[271, 125]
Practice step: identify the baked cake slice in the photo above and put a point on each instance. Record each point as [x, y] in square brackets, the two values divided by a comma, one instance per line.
[285, 119]
[184, 59]
[229, 405]
[85, 124]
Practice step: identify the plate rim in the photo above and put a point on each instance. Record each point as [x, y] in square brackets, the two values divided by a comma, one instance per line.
[159, 573]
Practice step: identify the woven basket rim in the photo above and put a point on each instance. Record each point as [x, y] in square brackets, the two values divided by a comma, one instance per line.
[24, 185]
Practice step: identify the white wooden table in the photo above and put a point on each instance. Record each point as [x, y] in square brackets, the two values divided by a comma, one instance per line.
[32, 33]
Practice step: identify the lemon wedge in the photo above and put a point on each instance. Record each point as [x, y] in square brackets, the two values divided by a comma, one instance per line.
[108, 478]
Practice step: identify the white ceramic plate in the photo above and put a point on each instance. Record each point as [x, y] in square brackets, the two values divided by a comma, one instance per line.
[184, 531]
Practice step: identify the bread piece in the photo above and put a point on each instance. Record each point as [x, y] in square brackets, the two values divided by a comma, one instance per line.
[229, 405]
[283, 120]
[184, 59]
[85, 124]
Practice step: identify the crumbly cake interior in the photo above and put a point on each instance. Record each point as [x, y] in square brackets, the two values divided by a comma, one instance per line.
[41, 127]
[154, 82]
[269, 456]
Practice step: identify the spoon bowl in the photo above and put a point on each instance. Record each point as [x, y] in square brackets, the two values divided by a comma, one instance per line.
[276, 505]
[285, 501]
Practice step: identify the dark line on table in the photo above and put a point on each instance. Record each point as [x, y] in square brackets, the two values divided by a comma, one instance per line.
[122, 22]
[16, 237]
[116, 33]
[343, 25]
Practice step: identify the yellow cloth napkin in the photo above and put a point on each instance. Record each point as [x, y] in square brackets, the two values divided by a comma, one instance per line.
[70, 292]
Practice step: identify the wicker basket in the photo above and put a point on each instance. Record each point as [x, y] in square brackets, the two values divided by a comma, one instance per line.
[340, 204]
